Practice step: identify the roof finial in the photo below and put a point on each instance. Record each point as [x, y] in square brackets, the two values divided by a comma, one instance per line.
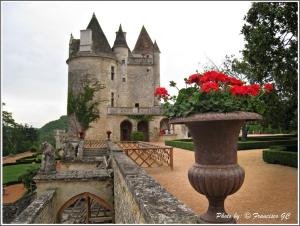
[94, 14]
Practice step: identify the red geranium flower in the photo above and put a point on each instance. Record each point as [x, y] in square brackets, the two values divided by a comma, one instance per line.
[208, 86]
[254, 89]
[234, 81]
[161, 92]
[268, 87]
[193, 79]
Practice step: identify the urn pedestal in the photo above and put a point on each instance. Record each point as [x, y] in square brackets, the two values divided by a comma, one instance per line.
[216, 173]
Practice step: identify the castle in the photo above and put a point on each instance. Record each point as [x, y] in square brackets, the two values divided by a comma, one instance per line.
[128, 79]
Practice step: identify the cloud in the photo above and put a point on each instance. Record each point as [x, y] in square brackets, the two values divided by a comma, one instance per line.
[35, 37]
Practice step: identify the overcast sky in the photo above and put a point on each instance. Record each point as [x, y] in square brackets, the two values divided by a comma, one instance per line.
[35, 39]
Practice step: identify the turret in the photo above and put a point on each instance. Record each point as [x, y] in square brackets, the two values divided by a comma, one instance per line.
[120, 47]
[156, 69]
[144, 44]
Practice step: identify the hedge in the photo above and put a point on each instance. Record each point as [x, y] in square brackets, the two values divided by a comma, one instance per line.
[281, 157]
[242, 145]
[291, 148]
[259, 138]
[180, 144]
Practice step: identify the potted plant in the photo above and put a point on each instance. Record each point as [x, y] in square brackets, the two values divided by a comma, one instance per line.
[214, 106]
[108, 132]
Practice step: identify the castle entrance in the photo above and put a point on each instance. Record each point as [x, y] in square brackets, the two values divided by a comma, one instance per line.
[143, 126]
[85, 208]
[125, 129]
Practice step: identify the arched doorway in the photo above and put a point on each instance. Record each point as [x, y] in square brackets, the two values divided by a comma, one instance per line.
[85, 208]
[143, 126]
[125, 130]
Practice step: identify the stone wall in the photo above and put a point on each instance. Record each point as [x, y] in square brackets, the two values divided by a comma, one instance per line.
[11, 210]
[71, 183]
[39, 211]
[138, 198]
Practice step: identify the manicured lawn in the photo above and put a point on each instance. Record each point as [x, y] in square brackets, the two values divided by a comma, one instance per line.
[12, 173]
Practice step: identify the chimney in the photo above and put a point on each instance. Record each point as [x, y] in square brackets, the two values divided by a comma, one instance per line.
[86, 40]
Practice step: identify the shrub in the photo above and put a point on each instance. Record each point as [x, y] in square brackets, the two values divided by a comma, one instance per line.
[27, 178]
[242, 145]
[281, 157]
[180, 144]
[137, 136]
[33, 148]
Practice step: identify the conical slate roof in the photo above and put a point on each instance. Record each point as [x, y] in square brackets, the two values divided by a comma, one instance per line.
[100, 43]
[144, 43]
[155, 47]
[120, 40]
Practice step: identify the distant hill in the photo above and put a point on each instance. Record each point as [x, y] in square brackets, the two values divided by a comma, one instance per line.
[46, 132]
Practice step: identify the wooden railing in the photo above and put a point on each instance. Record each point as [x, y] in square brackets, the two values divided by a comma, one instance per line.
[148, 155]
[94, 144]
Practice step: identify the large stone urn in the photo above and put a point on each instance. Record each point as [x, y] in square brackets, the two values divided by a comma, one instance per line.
[216, 173]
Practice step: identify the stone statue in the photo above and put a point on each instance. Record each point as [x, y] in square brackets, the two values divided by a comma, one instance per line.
[48, 165]
[80, 149]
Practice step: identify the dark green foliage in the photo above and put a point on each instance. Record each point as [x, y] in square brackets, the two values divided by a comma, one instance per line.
[46, 132]
[180, 144]
[27, 178]
[190, 100]
[271, 55]
[290, 148]
[83, 105]
[17, 138]
[247, 145]
[264, 144]
[270, 138]
[146, 118]
[281, 157]
[137, 136]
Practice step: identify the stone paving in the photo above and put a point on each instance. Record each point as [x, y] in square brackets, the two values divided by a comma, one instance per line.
[268, 194]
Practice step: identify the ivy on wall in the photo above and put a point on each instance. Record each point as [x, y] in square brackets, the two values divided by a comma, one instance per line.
[146, 118]
[83, 104]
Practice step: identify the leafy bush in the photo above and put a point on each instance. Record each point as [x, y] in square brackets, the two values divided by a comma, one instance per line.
[281, 157]
[137, 136]
[27, 178]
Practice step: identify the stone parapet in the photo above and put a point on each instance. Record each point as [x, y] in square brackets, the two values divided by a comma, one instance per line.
[96, 175]
[39, 211]
[139, 198]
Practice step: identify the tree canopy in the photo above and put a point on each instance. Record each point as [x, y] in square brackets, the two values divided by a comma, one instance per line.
[271, 55]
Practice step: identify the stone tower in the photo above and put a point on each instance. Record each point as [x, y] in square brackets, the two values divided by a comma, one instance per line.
[128, 79]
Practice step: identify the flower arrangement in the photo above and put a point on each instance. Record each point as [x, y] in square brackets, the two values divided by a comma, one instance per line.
[213, 91]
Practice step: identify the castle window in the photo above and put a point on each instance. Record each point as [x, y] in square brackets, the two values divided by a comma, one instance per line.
[124, 79]
[148, 69]
[137, 105]
[123, 61]
[112, 99]
[147, 56]
[112, 72]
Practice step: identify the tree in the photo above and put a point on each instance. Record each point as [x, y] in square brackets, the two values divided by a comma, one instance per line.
[16, 137]
[271, 55]
[83, 105]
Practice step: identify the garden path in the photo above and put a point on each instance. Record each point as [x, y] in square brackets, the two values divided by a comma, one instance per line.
[13, 193]
[11, 159]
[268, 189]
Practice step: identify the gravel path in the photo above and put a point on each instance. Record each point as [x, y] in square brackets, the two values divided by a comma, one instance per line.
[11, 159]
[13, 193]
[268, 193]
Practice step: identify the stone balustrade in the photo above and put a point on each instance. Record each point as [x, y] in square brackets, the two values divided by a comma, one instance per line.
[134, 111]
